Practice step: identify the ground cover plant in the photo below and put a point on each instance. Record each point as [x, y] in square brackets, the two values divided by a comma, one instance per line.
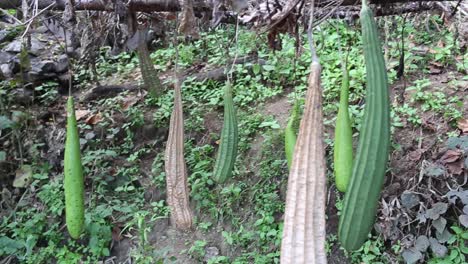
[422, 212]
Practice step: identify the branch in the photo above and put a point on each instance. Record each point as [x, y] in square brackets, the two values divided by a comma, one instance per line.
[103, 5]
[158, 5]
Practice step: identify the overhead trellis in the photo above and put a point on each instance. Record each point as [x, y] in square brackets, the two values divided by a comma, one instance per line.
[198, 5]
[278, 15]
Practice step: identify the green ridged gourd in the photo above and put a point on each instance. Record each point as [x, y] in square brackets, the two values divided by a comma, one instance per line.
[362, 197]
[290, 133]
[73, 171]
[343, 149]
[227, 151]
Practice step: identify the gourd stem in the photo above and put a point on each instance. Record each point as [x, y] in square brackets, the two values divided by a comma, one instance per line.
[313, 52]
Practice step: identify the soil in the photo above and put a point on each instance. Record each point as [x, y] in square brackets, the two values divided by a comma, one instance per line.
[413, 147]
[405, 164]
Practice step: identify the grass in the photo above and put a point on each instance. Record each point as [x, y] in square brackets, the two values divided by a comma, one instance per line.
[246, 211]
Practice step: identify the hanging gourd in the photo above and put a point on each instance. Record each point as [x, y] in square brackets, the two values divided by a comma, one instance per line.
[343, 148]
[175, 167]
[362, 196]
[304, 218]
[227, 151]
[73, 176]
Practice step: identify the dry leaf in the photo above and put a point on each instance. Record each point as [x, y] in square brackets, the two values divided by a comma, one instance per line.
[129, 101]
[455, 168]
[81, 113]
[116, 233]
[23, 176]
[188, 22]
[415, 155]
[440, 44]
[463, 125]
[169, 15]
[434, 69]
[450, 156]
[94, 119]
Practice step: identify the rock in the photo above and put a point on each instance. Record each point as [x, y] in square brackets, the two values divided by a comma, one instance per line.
[33, 76]
[3, 35]
[14, 65]
[121, 250]
[5, 57]
[6, 71]
[211, 252]
[14, 46]
[41, 29]
[62, 64]
[64, 82]
[22, 96]
[43, 67]
[37, 47]
[53, 26]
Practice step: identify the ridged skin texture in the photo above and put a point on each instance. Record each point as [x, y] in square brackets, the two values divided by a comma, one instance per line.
[303, 239]
[227, 151]
[73, 173]
[362, 196]
[175, 167]
[148, 72]
[343, 150]
[290, 136]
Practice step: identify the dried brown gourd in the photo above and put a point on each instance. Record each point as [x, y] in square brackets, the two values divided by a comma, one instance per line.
[304, 219]
[175, 167]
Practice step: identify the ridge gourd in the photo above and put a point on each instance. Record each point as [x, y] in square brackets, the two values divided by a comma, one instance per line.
[362, 196]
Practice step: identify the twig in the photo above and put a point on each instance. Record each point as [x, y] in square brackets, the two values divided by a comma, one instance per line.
[337, 4]
[29, 21]
[10, 16]
[313, 52]
[176, 44]
[229, 74]
[456, 8]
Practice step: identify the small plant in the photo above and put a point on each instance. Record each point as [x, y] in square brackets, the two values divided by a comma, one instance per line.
[457, 248]
[370, 252]
[197, 250]
[48, 92]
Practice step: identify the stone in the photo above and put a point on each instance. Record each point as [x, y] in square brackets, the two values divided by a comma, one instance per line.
[37, 47]
[6, 71]
[43, 67]
[3, 35]
[14, 65]
[211, 252]
[62, 64]
[14, 46]
[5, 57]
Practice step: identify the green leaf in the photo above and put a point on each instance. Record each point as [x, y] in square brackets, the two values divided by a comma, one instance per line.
[453, 254]
[9, 246]
[456, 229]
[269, 67]
[23, 176]
[2, 156]
[464, 235]
[464, 249]
[5, 122]
[273, 124]
[256, 69]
